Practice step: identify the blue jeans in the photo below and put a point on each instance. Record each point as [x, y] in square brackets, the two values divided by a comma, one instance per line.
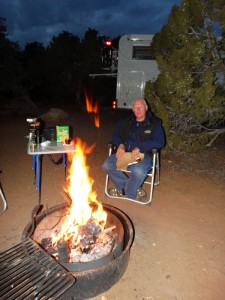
[137, 176]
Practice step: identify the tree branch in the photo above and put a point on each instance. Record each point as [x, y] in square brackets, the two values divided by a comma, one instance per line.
[215, 133]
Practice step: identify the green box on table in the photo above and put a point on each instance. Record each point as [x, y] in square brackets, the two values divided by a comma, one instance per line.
[62, 133]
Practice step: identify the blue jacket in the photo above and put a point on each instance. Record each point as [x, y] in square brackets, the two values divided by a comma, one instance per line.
[146, 135]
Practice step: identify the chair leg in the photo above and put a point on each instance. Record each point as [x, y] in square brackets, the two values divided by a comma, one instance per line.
[157, 170]
[3, 199]
[106, 185]
[151, 189]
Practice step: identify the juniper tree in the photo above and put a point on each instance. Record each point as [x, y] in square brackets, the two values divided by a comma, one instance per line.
[10, 66]
[189, 93]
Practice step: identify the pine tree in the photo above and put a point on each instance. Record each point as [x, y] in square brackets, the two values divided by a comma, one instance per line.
[189, 92]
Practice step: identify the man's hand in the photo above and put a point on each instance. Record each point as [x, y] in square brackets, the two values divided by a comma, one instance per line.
[120, 151]
[135, 153]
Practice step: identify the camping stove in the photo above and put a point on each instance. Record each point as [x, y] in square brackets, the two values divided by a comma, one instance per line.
[94, 276]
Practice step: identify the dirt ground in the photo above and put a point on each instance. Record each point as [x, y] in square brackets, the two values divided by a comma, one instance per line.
[179, 246]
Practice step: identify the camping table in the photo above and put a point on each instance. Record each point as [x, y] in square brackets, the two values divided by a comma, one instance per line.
[38, 151]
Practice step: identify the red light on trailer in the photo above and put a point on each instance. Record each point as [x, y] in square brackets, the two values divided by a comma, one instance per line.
[108, 43]
[114, 104]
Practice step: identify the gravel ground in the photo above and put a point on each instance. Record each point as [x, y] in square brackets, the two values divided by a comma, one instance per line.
[207, 162]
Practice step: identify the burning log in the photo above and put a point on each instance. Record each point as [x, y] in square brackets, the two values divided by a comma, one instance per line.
[92, 243]
[103, 245]
[107, 230]
[63, 251]
[88, 234]
[46, 244]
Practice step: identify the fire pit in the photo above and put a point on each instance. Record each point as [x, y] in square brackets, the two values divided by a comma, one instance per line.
[97, 276]
[89, 239]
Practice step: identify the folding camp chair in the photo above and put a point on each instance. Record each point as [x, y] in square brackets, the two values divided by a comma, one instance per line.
[152, 179]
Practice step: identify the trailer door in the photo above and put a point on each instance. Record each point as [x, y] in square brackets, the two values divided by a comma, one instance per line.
[129, 87]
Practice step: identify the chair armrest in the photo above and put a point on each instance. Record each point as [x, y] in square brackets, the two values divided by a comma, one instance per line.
[155, 150]
[112, 147]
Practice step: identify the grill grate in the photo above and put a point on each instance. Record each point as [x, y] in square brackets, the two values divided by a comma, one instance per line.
[28, 272]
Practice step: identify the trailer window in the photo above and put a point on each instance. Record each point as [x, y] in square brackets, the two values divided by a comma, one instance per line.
[142, 53]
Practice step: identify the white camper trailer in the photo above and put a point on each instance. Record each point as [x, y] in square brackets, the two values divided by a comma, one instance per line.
[136, 65]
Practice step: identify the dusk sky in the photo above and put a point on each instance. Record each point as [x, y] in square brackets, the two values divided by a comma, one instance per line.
[40, 20]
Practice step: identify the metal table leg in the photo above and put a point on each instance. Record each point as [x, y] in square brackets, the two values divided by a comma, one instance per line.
[38, 169]
[34, 166]
[64, 163]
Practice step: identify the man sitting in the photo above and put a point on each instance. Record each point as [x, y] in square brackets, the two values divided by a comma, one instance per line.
[138, 135]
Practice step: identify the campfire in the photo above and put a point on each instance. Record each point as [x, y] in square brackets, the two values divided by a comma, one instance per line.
[80, 234]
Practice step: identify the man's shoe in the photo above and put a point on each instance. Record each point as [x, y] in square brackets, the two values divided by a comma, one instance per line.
[116, 193]
[141, 195]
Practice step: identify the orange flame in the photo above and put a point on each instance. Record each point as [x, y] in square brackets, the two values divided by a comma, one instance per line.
[84, 205]
[93, 109]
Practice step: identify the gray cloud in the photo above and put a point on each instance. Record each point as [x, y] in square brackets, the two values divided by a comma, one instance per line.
[40, 20]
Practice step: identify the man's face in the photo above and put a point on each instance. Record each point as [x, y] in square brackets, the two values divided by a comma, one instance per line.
[139, 109]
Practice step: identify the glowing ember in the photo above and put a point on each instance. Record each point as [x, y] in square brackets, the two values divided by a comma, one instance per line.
[93, 109]
[84, 208]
